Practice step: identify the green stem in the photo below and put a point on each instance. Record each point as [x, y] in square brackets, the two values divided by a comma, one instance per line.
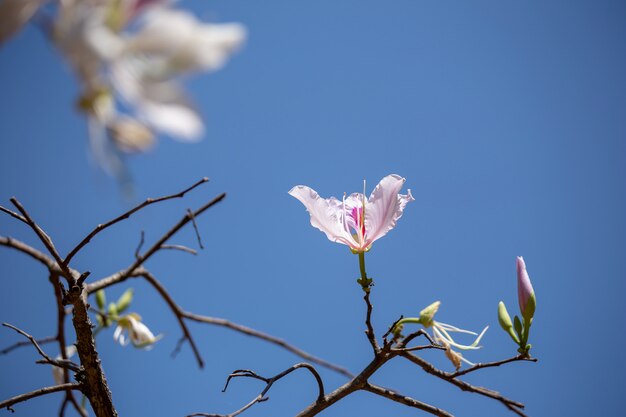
[364, 281]
[362, 265]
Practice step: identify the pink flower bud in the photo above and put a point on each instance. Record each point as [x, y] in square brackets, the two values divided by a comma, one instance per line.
[525, 290]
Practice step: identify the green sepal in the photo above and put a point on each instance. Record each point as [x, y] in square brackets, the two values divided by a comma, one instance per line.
[365, 283]
[505, 322]
[101, 299]
[124, 301]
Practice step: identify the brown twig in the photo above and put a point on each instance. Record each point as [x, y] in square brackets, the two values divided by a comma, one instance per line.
[177, 312]
[28, 250]
[492, 364]
[268, 338]
[45, 239]
[403, 399]
[158, 245]
[371, 336]
[61, 314]
[180, 248]
[13, 214]
[23, 343]
[37, 393]
[429, 368]
[195, 228]
[244, 373]
[126, 215]
[47, 359]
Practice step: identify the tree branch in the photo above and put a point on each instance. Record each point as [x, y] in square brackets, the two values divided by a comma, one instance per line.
[37, 393]
[28, 250]
[47, 359]
[492, 364]
[45, 239]
[402, 399]
[244, 373]
[429, 368]
[23, 343]
[126, 215]
[268, 338]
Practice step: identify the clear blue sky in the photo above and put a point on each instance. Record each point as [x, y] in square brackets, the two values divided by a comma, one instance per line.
[508, 120]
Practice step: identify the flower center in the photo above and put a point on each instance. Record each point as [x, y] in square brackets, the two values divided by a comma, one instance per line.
[359, 221]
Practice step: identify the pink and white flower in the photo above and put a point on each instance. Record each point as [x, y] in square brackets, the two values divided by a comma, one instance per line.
[356, 221]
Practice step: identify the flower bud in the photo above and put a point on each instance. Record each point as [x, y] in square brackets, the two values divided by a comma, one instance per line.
[525, 292]
[124, 302]
[427, 314]
[101, 299]
[505, 322]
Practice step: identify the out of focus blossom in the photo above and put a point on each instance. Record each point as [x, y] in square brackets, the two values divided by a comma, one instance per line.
[14, 14]
[131, 329]
[136, 51]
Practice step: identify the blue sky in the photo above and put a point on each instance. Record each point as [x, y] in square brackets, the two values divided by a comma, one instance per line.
[508, 120]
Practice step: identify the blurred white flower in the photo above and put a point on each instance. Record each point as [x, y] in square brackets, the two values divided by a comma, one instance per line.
[138, 333]
[137, 51]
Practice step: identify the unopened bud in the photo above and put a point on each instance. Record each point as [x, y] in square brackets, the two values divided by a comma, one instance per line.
[427, 314]
[525, 291]
[124, 302]
[505, 322]
[101, 299]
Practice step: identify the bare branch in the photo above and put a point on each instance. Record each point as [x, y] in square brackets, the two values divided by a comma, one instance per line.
[37, 393]
[368, 322]
[28, 250]
[195, 227]
[126, 215]
[268, 338]
[492, 364]
[45, 239]
[23, 343]
[47, 359]
[178, 312]
[429, 368]
[244, 373]
[13, 214]
[186, 219]
[408, 401]
[180, 248]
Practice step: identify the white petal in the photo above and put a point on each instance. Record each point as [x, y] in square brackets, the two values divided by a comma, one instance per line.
[385, 207]
[326, 214]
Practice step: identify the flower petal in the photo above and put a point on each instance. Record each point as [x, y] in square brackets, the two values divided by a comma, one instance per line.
[385, 207]
[326, 214]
